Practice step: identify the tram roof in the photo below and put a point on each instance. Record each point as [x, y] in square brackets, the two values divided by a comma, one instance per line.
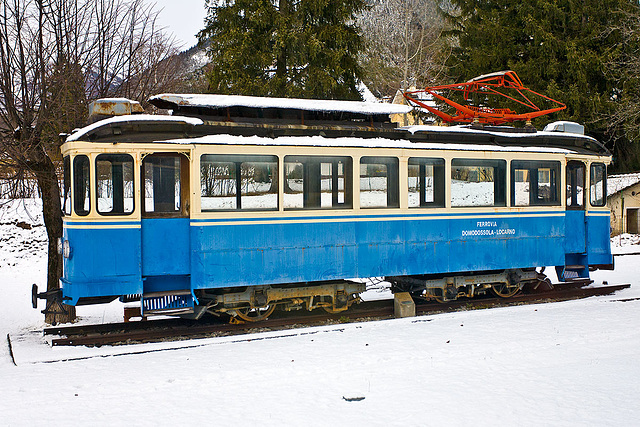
[174, 101]
[191, 130]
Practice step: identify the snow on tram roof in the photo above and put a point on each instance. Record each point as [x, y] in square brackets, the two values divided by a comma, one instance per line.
[223, 101]
[495, 130]
[316, 140]
[354, 142]
[78, 134]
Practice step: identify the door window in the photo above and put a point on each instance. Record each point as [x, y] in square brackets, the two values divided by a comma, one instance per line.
[575, 185]
[165, 184]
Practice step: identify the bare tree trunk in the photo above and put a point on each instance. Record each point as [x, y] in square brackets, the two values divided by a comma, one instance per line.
[47, 178]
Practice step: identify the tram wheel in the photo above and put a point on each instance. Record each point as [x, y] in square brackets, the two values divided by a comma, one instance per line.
[503, 290]
[255, 314]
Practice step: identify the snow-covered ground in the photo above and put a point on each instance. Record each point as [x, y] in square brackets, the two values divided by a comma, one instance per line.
[562, 364]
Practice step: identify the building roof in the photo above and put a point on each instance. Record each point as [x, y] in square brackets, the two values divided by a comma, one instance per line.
[617, 183]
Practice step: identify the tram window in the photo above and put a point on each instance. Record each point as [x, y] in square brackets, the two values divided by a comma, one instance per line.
[222, 175]
[575, 185]
[534, 183]
[426, 182]
[66, 180]
[164, 191]
[477, 182]
[379, 182]
[313, 182]
[81, 193]
[114, 184]
[598, 184]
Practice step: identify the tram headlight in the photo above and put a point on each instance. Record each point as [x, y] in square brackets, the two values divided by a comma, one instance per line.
[66, 249]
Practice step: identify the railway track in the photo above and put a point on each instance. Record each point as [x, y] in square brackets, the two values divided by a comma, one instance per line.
[176, 329]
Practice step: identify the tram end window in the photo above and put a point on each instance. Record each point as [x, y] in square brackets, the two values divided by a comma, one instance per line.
[598, 185]
[535, 183]
[66, 182]
[318, 182]
[379, 182]
[426, 182]
[114, 184]
[230, 182]
[81, 191]
[478, 182]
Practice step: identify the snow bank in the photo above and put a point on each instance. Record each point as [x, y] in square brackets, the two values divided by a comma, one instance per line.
[562, 364]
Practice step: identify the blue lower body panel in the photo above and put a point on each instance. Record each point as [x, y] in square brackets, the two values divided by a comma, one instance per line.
[251, 254]
[163, 255]
[165, 246]
[598, 240]
[103, 261]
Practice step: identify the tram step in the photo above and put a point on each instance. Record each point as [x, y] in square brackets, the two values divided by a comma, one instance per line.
[574, 267]
[570, 274]
[176, 302]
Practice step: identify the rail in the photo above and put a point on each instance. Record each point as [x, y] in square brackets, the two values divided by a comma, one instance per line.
[173, 329]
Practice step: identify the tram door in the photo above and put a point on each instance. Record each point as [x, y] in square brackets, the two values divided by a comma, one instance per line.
[165, 222]
[575, 227]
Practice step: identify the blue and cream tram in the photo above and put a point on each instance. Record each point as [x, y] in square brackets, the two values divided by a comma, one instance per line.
[241, 204]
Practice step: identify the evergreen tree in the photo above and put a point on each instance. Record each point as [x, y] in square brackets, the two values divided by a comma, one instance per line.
[285, 48]
[558, 48]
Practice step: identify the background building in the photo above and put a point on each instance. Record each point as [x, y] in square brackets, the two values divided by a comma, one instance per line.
[624, 201]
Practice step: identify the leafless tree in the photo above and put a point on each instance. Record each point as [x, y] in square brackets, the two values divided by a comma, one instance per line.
[128, 53]
[55, 56]
[624, 118]
[403, 44]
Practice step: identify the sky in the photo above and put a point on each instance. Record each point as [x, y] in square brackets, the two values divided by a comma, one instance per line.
[183, 18]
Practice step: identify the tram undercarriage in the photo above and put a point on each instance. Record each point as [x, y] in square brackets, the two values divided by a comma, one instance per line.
[505, 284]
[257, 303]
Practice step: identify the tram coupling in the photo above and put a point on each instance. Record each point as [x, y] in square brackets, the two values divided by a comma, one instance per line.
[55, 301]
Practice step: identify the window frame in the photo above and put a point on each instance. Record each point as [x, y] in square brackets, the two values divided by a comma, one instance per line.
[439, 191]
[499, 182]
[604, 184]
[76, 180]
[317, 160]
[246, 158]
[100, 157]
[67, 204]
[392, 176]
[535, 165]
[571, 166]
